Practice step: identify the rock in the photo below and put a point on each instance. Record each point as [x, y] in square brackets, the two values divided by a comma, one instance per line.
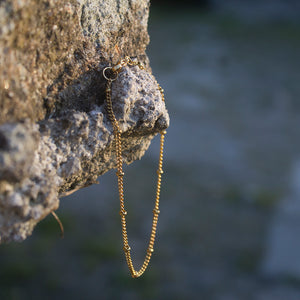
[55, 134]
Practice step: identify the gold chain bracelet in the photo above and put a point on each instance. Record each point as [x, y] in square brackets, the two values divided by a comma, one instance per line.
[111, 74]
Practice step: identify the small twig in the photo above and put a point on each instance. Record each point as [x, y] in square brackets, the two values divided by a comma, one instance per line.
[62, 232]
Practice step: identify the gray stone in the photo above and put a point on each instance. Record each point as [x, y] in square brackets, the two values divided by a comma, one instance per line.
[55, 134]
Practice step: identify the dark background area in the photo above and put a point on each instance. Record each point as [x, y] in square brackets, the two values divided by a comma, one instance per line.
[230, 211]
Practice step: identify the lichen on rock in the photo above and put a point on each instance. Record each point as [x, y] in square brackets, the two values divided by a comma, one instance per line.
[55, 134]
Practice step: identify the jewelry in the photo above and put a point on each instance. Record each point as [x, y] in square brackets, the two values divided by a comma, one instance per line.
[111, 74]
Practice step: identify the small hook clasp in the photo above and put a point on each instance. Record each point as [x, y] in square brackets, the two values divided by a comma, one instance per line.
[122, 63]
[111, 73]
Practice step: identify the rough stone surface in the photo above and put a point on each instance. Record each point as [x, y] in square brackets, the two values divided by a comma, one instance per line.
[55, 135]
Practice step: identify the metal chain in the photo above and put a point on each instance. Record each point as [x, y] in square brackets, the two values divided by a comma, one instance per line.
[111, 74]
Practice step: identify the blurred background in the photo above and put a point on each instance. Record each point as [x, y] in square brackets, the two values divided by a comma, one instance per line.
[230, 210]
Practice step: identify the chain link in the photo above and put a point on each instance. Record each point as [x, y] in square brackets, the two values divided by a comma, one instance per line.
[120, 174]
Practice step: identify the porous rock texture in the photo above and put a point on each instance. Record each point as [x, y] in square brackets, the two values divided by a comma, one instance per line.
[55, 134]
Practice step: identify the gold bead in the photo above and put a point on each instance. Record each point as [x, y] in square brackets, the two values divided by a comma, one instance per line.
[156, 211]
[163, 132]
[123, 212]
[159, 172]
[150, 250]
[126, 248]
[120, 173]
